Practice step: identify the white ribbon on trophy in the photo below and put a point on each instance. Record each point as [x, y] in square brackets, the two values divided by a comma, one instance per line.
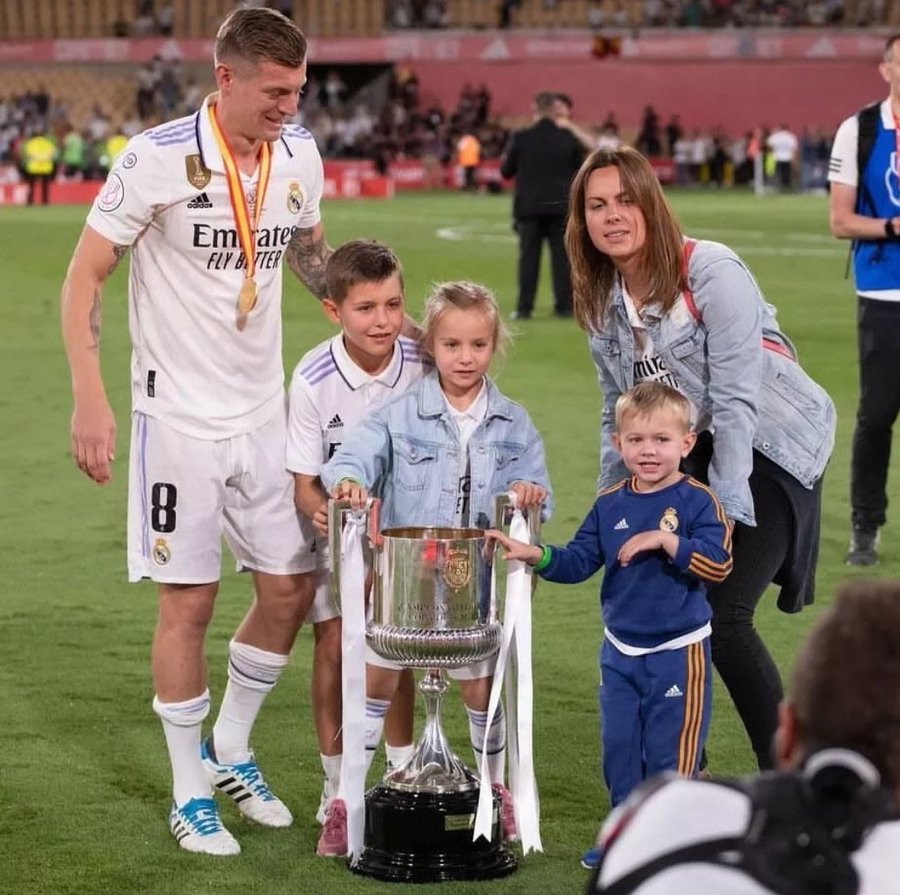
[353, 679]
[515, 651]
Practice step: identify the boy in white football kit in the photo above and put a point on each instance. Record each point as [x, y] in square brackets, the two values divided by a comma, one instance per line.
[334, 388]
[209, 204]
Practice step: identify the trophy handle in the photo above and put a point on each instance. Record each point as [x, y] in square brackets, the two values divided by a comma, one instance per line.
[503, 510]
[338, 510]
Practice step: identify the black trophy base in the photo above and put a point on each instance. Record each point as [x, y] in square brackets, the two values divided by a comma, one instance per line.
[424, 837]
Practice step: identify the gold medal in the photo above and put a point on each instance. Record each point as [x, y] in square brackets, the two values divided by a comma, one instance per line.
[247, 296]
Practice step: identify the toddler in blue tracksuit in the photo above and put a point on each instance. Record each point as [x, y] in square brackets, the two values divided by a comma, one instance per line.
[659, 534]
[438, 455]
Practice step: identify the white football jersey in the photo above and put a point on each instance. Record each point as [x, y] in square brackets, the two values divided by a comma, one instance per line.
[195, 365]
[683, 812]
[330, 394]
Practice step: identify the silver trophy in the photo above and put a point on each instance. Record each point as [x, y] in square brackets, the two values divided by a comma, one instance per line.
[434, 606]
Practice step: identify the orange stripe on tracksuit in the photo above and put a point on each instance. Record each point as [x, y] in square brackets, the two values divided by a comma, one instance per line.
[689, 741]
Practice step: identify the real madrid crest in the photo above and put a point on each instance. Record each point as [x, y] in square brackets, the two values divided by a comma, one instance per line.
[198, 175]
[457, 571]
[161, 552]
[294, 198]
[669, 521]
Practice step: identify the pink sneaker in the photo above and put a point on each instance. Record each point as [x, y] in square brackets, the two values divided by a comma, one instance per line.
[333, 838]
[507, 813]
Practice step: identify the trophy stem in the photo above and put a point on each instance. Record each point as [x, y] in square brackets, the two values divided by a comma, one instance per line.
[433, 766]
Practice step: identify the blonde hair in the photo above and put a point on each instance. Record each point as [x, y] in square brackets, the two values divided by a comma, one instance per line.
[650, 398]
[464, 296]
[257, 34]
[593, 273]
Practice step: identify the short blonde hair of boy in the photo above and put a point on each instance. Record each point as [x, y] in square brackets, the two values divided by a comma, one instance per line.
[464, 296]
[649, 398]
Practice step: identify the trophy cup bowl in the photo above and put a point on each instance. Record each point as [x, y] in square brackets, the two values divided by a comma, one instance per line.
[433, 607]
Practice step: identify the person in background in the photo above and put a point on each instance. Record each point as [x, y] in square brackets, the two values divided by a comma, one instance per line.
[865, 207]
[468, 156]
[543, 160]
[37, 161]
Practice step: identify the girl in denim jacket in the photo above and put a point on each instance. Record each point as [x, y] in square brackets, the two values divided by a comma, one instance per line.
[438, 455]
[657, 306]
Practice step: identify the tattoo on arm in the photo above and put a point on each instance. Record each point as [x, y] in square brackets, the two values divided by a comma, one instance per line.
[306, 256]
[120, 252]
[94, 319]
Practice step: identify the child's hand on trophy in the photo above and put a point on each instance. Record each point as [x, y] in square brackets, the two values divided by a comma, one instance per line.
[528, 494]
[349, 489]
[513, 549]
[320, 520]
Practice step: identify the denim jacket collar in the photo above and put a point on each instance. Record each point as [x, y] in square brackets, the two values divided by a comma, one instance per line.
[433, 404]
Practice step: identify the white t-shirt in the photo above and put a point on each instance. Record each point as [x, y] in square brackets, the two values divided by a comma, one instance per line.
[648, 365]
[466, 423]
[783, 144]
[329, 395]
[687, 812]
[167, 198]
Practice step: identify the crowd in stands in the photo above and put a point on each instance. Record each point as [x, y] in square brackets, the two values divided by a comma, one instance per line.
[403, 128]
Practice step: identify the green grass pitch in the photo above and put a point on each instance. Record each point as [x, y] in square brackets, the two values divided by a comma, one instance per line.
[84, 782]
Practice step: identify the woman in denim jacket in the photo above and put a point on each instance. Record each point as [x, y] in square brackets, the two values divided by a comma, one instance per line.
[438, 455]
[657, 306]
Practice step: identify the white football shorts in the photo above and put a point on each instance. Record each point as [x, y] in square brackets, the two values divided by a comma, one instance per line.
[184, 493]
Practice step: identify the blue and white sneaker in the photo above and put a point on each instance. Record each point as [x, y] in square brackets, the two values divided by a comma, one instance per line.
[197, 828]
[244, 784]
[590, 860]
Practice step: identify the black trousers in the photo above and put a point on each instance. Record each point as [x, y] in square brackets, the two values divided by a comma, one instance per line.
[42, 180]
[738, 652]
[878, 335]
[532, 233]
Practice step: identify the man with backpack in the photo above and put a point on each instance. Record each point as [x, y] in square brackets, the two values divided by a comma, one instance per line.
[864, 173]
[827, 822]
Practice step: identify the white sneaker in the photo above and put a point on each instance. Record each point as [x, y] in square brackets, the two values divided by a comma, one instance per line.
[323, 803]
[197, 828]
[245, 785]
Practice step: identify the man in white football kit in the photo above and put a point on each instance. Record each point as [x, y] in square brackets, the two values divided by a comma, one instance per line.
[826, 823]
[333, 389]
[209, 204]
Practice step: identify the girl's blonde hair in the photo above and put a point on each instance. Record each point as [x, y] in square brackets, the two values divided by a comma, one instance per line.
[464, 296]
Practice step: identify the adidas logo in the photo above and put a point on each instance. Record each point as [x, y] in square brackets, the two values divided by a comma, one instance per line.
[621, 524]
[201, 201]
[673, 691]
[336, 422]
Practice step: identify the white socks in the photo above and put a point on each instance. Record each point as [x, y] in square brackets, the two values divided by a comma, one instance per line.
[493, 741]
[252, 674]
[376, 709]
[398, 755]
[181, 723]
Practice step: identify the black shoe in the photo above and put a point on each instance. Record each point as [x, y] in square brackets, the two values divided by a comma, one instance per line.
[520, 315]
[862, 550]
[564, 314]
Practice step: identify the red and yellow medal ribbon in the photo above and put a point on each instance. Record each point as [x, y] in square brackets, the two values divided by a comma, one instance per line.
[246, 227]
